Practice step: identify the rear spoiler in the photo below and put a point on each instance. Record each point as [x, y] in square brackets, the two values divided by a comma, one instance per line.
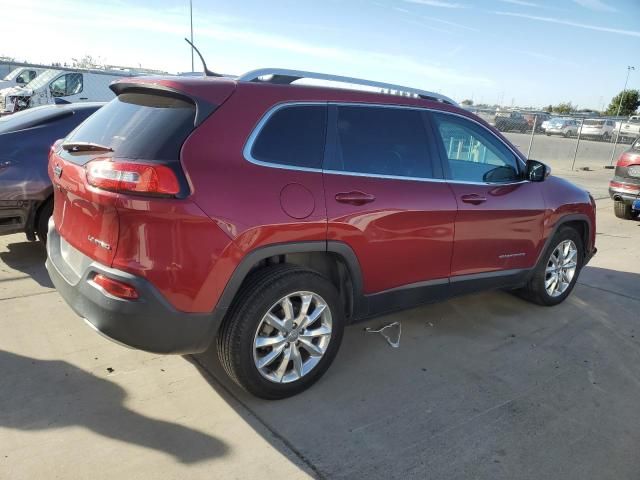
[203, 107]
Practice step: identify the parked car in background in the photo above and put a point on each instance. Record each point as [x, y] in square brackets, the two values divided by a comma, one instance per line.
[318, 207]
[60, 87]
[628, 130]
[537, 119]
[567, 127]
[26, 193]
[624, 187]
[599, 128]
[511, 122]
[20, 76]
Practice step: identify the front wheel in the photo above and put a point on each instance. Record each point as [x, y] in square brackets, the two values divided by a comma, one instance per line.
[282, 333]
[556, 274]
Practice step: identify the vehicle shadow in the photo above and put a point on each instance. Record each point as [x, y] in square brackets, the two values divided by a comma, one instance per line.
[54, 394]
[482, 386]
[28, 258]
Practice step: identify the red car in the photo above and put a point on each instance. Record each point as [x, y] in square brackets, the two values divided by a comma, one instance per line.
[624, 187]
[267, 216]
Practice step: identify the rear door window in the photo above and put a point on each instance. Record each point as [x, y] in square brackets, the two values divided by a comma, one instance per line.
[139, 125]
[382, 141]
[293, 136]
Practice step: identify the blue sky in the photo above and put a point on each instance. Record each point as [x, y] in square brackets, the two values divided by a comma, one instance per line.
[531, 52]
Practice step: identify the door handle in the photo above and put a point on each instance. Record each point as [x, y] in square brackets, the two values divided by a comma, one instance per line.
[355, 198]
[84, 98]
[473, 198]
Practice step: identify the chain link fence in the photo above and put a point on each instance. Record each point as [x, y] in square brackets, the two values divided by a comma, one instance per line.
[566, 142]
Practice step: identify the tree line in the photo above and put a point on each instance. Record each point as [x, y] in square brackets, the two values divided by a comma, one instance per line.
[629, 106]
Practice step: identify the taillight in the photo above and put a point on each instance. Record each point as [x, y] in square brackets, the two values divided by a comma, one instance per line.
[115, 287]
[132, 177]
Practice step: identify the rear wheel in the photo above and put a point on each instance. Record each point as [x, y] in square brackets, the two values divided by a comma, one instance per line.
[42, 225]
[557, 273]
[282, 333]
[622, 210]
[567, 134]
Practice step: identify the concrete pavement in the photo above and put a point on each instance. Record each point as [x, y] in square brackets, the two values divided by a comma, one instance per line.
[485, 386]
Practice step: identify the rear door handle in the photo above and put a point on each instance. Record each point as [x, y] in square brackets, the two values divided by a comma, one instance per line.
[473, 198]
[355, 198]
[84, 98]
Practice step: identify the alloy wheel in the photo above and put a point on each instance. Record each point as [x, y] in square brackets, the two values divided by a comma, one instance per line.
[292, 337]
[561, 268]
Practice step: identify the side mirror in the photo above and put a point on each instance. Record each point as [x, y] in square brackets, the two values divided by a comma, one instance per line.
[20, 81]
[536, 171]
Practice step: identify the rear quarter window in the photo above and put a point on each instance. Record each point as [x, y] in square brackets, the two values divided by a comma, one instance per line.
[292, 136]
[140, 125]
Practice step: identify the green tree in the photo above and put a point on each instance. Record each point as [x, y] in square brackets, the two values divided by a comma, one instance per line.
[548, 108]
[564, 107]
[467, 102]
[630, 103]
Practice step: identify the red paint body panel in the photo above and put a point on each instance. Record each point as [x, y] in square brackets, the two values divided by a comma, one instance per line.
[404, 236]
[502, 233]
[82, 212]
[414, 231]
[628, 158]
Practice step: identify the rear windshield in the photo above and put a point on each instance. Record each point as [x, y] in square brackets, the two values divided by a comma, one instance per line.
[145, 126]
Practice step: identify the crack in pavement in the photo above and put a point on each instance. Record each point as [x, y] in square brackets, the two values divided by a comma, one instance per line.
[28, 295]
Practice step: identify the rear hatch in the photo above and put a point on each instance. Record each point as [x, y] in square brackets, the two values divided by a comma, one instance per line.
[129, 149]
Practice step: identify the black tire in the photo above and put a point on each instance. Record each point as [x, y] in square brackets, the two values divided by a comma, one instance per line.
[42, 221]
[535, 291]
[622, 210]
[259, 293]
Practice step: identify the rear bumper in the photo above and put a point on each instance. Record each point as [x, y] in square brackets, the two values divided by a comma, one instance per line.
[149, 323]
[625, 193]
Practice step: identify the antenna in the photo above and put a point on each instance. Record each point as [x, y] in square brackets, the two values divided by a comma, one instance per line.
[206, 71]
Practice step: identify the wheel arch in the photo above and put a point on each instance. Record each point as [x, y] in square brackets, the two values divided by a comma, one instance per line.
[334, 260]
[579, 222]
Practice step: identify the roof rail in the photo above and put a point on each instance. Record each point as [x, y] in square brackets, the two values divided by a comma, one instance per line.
[283, 76]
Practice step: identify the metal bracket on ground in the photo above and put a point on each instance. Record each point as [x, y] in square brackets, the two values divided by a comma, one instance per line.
[394, 343]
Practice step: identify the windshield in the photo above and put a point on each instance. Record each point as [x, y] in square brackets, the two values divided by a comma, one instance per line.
[12, 74]
[42, 79]
[594, 123]
[557, 121]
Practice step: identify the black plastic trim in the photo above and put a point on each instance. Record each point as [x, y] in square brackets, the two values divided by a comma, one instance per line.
[589, 250]
[149, 323]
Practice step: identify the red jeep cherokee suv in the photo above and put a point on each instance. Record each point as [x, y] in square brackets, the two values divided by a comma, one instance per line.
[268, 216]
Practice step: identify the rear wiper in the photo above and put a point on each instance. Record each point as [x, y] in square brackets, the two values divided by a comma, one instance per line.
[85, 147]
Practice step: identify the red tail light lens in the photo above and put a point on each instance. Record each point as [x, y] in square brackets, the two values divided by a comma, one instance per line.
[115, 287]
[132, 177]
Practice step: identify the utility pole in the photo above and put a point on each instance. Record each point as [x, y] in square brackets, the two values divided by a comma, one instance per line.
[191, 20]
[624, 91]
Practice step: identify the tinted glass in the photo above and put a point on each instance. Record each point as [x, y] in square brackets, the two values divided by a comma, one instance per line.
[474, 154]
[145, 126]
[293, 136]
[382, 141]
